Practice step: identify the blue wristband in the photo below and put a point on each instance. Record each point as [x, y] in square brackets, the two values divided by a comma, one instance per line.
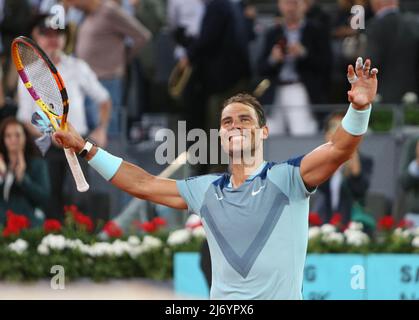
[105, 163]
[355, 121]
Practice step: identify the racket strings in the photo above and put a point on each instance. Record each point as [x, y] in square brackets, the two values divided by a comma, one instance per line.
[41, 78]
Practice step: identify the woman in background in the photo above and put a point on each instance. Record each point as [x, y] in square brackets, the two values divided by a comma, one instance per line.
[24, 178]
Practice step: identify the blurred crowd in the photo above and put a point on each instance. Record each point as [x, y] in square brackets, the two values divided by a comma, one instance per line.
[110, 55]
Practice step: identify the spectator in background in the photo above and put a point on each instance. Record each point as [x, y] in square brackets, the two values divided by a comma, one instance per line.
[80, 82]
[220, 61]
[14, 22]
[296, 56]
[101, 42]
[24, 178]
[7, 106]
[348, 185]
[316, 13]
[410, 180]
[347, 44]
[143, 69]
[393, 43]
[184, 18]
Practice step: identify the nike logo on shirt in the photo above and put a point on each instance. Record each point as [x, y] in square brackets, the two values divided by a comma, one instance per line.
[259, 190]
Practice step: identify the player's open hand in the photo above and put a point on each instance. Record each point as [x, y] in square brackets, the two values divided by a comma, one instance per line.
[69, 138]
[364, 84]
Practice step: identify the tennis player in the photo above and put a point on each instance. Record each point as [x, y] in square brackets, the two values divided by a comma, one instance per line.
[255, 216]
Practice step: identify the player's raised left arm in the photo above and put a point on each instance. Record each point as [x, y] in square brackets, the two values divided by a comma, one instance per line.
[317, 166]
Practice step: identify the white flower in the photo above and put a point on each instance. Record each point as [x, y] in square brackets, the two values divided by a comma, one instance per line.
[356, 238]
[73, 244]
[333, 237]
[19, 246]
[42, 249]
[134, 241]
[192, 221]
[409, 98]
[150, 242]
[136, 251]
[355, 226]
[120, 247]
[56, 242]
[415, 232]
[179, 237]
[399, 232]
[328, 228]
[415, 242]
[199, 232]
[406, 233]
[314, 232]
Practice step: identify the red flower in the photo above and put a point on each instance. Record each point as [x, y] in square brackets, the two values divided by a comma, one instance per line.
[10, 230]
[148, 226]
[386, 223]
[112, 229]
[314, 219]
[15, 223]
[336, 219]
[159, 221]
[405, 224]
[52, 225]
[80, 218]
[84, 220]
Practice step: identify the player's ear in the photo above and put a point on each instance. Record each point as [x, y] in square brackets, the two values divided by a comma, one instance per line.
[265, 132]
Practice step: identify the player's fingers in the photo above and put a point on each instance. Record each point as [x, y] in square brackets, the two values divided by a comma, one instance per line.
[374, 73]
[351, 74]
[57, 138]
[367, 67]
[359, 65]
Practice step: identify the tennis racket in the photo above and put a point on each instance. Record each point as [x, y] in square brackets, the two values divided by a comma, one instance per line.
[47, 88]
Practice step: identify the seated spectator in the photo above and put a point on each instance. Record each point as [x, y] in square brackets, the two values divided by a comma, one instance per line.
[297, 58]
[410, 180]
[348, 185]
[24, 178]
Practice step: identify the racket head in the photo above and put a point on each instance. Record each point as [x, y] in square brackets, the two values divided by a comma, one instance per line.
[42, 80]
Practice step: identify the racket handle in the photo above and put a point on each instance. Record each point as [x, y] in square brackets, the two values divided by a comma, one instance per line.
[81, 183]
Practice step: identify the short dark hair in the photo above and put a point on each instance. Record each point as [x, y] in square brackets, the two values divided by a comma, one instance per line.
[250, 101]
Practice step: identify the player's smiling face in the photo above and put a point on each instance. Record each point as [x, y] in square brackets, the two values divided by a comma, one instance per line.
[240, 130]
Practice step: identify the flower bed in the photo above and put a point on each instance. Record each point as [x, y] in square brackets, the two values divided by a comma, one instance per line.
[29, 254]
[148, 249]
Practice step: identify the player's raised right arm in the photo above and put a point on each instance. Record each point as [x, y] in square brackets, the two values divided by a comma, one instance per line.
[127, 176]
